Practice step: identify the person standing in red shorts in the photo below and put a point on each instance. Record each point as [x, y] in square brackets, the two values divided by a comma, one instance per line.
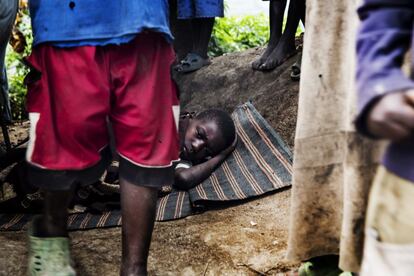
[95, 62]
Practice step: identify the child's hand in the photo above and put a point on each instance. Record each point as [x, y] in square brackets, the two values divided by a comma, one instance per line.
[392, 117]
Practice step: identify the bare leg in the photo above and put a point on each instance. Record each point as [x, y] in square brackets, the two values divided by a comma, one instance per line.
[182, 31]
[183, 42]
[276, 12]
[202, 29]
[138, 214]
[53, 223]
[49, 237]
[286, 46]
[303, 14]
[201, 34]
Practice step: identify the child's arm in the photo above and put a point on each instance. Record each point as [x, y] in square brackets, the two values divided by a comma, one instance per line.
[386, 108]
[186, 179]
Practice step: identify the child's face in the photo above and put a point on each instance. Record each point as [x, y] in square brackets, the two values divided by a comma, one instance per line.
[202, 141]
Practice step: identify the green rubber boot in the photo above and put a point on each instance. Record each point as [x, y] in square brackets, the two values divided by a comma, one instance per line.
[309, 268]
[49, 257]
[306, 269]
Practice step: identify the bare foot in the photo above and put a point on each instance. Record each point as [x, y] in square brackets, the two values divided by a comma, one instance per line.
[258, 62]
[284, 50]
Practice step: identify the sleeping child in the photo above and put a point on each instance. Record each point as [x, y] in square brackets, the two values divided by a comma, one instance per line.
[205, 141]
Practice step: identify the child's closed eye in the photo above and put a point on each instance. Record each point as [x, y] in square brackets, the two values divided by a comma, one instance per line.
[201, 134]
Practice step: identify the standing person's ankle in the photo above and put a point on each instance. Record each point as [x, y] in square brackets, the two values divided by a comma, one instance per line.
[130, 268]
[45, 227]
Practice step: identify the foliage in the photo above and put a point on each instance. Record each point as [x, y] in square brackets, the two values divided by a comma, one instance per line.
[233, 34]
[16, 70]
[238, 33]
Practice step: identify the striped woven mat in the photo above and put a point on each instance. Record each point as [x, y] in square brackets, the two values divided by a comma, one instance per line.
[260, 164]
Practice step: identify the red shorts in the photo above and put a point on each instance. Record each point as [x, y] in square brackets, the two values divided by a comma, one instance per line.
[80, 89]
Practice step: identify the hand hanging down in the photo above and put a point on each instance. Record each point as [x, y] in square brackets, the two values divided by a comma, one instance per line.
[392, 117]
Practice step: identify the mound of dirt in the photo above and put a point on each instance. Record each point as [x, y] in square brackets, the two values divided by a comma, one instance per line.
[230, 81]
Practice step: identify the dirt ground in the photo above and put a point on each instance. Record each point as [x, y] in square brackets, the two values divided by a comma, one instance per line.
[246, 239]
[249, 239]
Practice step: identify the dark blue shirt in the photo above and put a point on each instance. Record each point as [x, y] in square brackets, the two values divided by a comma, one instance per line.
[384, 38]
[96, 22]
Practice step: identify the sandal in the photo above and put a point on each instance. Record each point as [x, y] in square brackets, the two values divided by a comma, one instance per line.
[295, 69]
[192, 62]
[49, 256]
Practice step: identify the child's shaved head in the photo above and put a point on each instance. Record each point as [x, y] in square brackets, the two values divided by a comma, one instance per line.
[224, 122]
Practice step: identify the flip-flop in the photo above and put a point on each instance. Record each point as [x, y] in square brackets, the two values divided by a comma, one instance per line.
[296, 69]
[192, 62]
[295, 72]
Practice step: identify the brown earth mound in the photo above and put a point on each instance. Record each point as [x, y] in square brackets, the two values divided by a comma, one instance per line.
[230, 81]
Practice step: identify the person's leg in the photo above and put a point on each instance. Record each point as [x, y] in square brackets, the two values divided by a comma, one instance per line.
[197, 57]
[203, 17]
[49, 246]
[276, 12]
[65, 147]
[138, 205]
[303, 13]
[184, 38]
[286, 45]
[181, 12]
[53, 221]
[145, 121]
[182, 31]
[202, 30]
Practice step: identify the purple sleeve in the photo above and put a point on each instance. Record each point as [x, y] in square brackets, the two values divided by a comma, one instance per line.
[383, 39]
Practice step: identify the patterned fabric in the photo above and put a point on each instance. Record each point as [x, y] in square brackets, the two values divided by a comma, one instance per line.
[261, 163]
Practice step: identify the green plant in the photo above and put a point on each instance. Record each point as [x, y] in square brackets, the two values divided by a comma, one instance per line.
[233, 34]
[17, 71]
[238, 33]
